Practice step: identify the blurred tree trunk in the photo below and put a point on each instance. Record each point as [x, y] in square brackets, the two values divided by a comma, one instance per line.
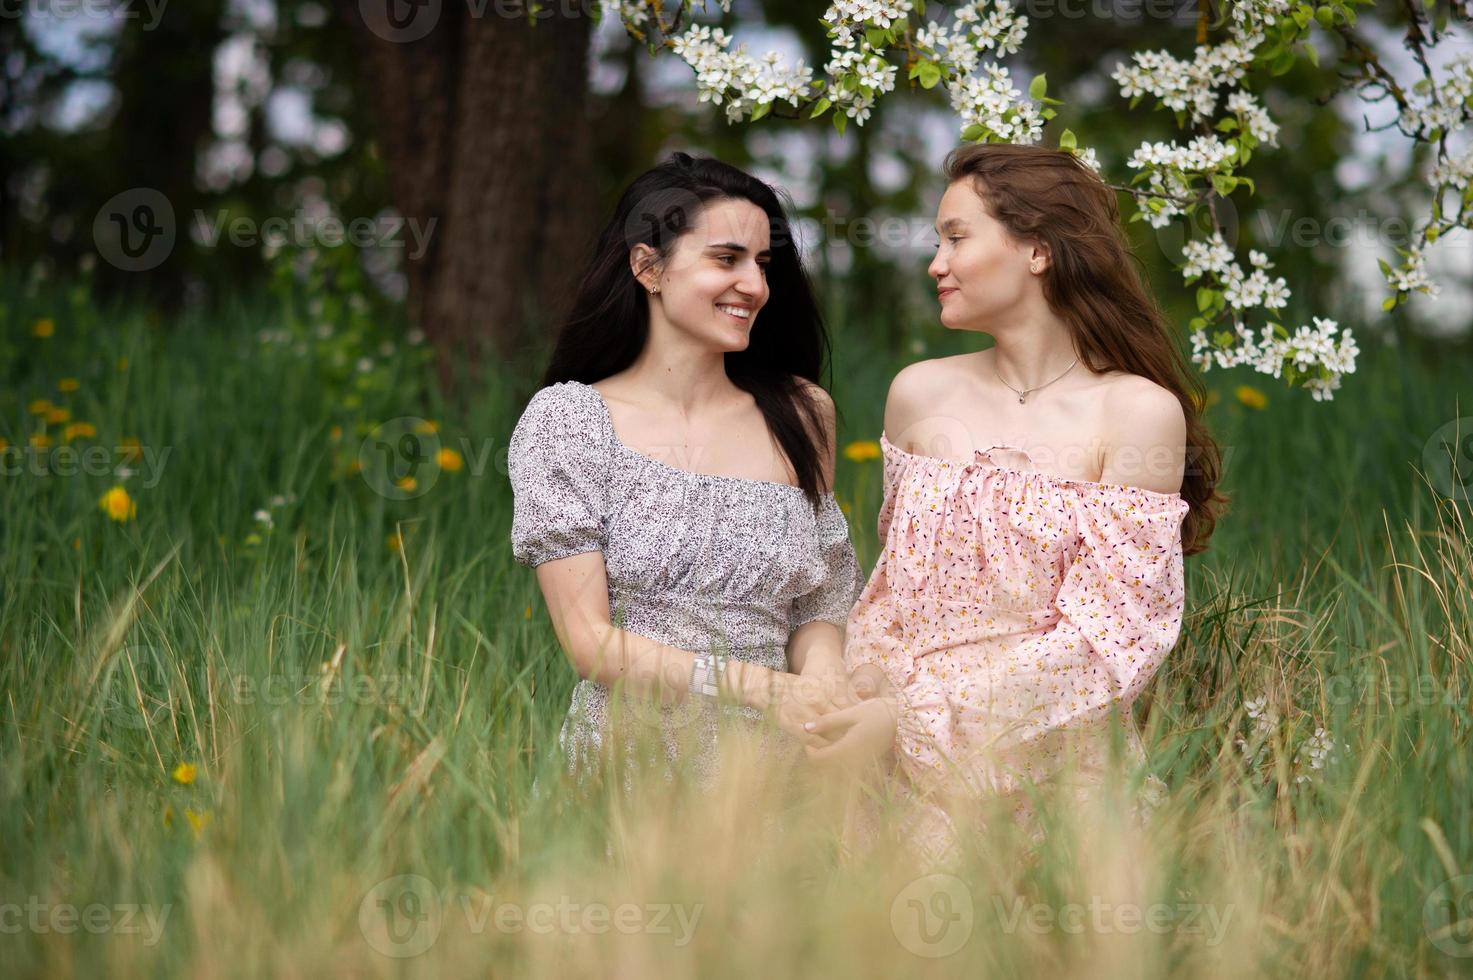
[482, 123]
[165, 83]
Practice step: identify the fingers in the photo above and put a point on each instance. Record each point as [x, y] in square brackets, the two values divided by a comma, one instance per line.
[832, 723]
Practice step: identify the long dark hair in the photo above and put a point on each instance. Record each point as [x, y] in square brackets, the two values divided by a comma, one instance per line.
[1049, 196]
[609, 322]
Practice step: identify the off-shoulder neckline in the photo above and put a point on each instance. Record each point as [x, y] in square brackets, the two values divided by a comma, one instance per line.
[1045, 477]
[712, 477]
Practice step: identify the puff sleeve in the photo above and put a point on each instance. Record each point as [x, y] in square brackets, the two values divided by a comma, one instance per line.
[559, 477]
[832, 599]
[1009, 717]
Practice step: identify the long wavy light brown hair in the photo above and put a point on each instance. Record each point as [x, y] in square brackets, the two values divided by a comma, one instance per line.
[1096, 284]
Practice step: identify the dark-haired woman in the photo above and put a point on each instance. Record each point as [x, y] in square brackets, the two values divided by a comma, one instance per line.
[1039, 498]
[673, 478]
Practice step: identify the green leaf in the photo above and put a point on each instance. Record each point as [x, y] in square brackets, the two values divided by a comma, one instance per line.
[974, 132]
[1205, 296]
[1227, 125]
[1312, 53]
[1038, 88]
[1385, 267]
[762, 109]
[1047, 113]
[875, 37]
[1388, 304]
[819, 108]
[1224, 184]
[1282, 63]
[930, 74]
[1302, 14]
[1067, 140]
[1326, 17]
[840, 121]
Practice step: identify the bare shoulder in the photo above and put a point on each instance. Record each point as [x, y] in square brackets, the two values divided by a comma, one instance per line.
[914, 388]
[820, 396]
[1133, 402]
[1147, 433]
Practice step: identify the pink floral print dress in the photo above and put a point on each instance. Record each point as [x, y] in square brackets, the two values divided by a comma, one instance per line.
[1012, 611]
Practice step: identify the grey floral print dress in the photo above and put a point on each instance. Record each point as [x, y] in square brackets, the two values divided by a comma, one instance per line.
[695, 561]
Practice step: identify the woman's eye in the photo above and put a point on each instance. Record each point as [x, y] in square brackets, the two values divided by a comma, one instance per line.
[730, 259]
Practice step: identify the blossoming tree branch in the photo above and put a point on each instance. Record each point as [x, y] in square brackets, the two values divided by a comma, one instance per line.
[956, 49]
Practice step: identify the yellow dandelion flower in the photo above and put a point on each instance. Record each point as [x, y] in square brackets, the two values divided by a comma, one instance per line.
[864, 449]
[85, 430]
[450, 460]
[1251, 396]
[122, 364]
[335, 433]
[76, 544]
[198, 821]
[394, 542]
[120, 507]
[130, 449]
[426, 426]
[406, 483]
[527, 613]
[39, 407]
[1213, 397]
[168, 817]
[844, 506]
[185, 772]
[68, 384]
[43, 328]
[40, 440]
[354, 465]
[4, 444]
[57, 415]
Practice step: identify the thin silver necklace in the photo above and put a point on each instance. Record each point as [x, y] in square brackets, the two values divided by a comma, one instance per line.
[1023, 395]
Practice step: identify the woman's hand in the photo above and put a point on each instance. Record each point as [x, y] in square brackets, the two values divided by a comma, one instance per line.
[859, 736]
[802, 698]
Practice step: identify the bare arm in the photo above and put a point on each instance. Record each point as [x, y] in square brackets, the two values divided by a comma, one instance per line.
[576, 591]
[1147, 445]
[818, 647]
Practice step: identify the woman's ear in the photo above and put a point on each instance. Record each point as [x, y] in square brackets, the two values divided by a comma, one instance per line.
[1039, 258]
[644, 264]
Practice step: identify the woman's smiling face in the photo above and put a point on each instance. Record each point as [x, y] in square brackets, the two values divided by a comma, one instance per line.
[981, 273]
[714, 282]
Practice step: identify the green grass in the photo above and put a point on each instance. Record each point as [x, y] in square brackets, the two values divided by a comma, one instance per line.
[358, 712]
